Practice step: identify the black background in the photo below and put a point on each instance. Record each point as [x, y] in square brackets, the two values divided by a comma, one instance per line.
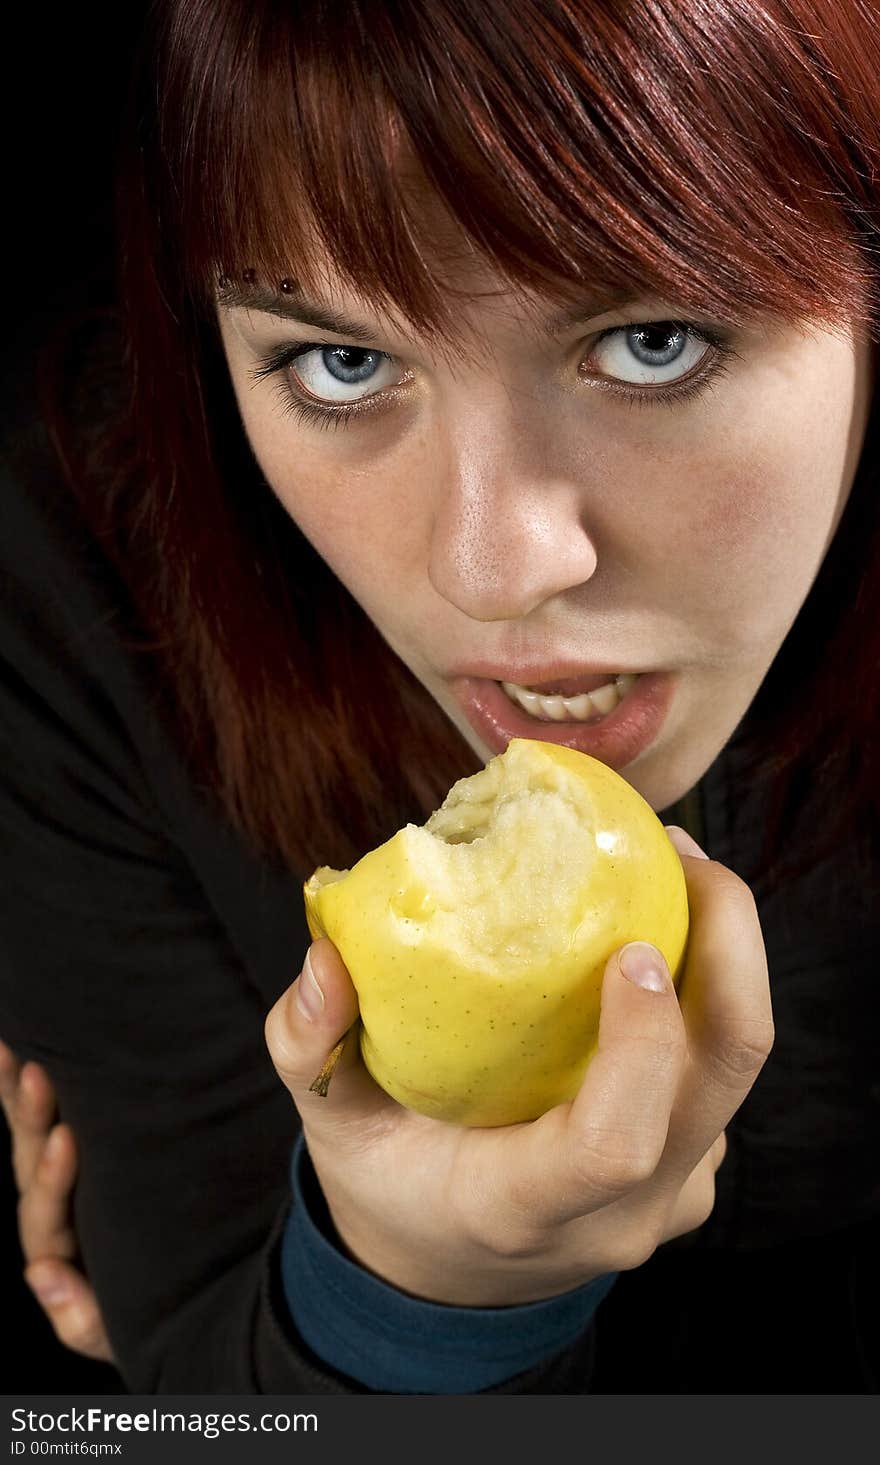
[66, 74]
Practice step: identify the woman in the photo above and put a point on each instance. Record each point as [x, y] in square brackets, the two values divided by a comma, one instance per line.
[367, 492]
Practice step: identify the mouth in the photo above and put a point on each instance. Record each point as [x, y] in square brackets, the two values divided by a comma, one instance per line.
[565, 703]
[615, 720]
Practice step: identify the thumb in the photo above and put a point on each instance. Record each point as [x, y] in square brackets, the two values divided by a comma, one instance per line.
[622, 1109]
[638, 1004]
[318, 1012]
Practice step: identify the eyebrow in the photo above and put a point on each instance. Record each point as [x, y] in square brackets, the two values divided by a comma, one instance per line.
[294, 305]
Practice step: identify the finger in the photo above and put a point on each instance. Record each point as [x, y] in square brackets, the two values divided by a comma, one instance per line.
[303, 1028]
[71, 1307]
[695, 1201]
[684, 843]
[726, 1006]
[30, 1120]
[44, 1209]
[611, 1137]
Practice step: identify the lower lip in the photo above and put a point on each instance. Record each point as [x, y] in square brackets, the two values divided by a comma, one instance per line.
[617, 739]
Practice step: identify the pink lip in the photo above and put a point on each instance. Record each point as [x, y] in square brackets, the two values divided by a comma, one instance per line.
[616, 739]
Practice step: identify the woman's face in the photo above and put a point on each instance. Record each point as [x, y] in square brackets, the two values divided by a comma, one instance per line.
[561, 498]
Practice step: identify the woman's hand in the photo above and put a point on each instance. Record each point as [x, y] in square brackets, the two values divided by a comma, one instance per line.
[494, 1217]
[44, 1161]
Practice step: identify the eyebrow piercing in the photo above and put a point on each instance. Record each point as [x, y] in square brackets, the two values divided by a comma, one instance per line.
[285, 285]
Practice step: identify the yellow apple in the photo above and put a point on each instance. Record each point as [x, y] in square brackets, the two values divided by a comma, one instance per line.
[477, 942]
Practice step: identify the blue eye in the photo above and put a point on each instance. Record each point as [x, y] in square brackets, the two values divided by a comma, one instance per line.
[337, 374]
[652, 353]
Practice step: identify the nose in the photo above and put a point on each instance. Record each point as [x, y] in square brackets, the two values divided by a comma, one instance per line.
[508, 531]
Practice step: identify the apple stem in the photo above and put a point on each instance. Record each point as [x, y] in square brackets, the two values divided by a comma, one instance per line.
[321, 1084]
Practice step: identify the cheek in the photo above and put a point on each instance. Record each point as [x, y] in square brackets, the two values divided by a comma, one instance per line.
[360, 519]
[765, 519]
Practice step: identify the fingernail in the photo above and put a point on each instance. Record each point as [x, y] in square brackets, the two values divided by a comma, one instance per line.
[49, 1289]
[309, 997]
[642, 964]
[684, 843]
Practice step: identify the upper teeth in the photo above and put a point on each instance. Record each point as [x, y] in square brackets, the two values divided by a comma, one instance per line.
[571, 709]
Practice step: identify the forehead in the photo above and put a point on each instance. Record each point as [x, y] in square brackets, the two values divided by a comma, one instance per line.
[477, 298]
[335, 307]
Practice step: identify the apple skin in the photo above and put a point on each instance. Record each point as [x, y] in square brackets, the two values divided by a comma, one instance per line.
[500, 1030]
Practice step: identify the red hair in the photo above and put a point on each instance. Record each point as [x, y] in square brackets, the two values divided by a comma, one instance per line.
[718, 153]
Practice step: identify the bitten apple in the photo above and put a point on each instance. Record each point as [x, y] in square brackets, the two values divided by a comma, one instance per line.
[477, 942]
